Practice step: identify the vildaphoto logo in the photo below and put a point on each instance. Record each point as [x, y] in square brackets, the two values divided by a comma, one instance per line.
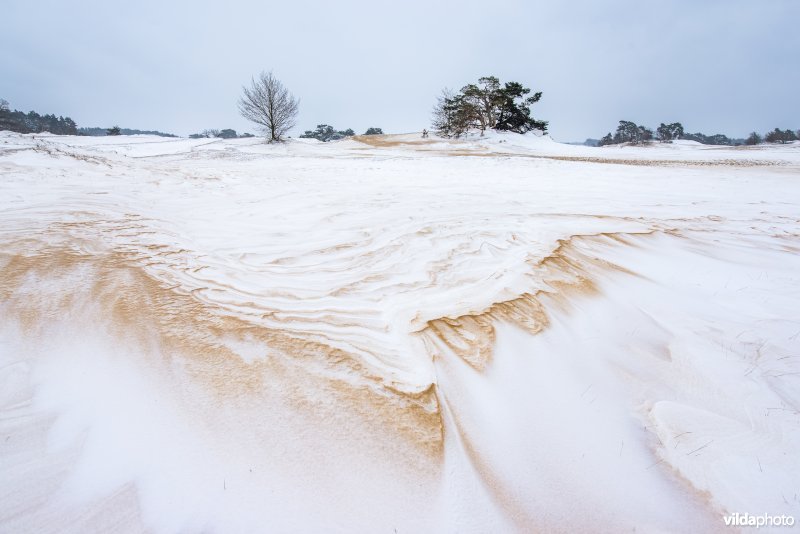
[765, 520]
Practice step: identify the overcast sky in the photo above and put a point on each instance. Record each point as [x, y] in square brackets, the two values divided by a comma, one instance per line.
[724, 66]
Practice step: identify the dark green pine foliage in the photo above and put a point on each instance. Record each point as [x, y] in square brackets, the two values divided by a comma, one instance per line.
[669, 132]
[227, 133]
[32, 122]
[486, 105]
[780, 136]
[716, 139]
[628, 132]
[325, 133]
[515, 109]
[753, 139]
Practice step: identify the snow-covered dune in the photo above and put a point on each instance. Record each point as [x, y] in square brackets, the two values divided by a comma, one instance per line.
[495, 334]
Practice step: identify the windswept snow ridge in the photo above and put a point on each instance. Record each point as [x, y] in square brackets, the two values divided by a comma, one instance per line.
[497, 334]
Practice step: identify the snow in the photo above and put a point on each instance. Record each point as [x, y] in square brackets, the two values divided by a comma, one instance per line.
[490, 334]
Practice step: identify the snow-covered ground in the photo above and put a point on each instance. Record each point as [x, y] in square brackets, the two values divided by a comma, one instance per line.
[392, 334]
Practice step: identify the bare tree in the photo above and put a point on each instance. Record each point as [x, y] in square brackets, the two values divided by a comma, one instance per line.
[270, 105]
[452, 116]
[3, 104]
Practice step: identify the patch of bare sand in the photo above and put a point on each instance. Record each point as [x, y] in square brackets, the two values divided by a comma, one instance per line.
[320, 378]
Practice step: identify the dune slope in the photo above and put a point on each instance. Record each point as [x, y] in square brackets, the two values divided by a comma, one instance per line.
[396, 334]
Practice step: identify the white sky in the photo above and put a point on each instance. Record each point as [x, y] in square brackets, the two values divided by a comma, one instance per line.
[726, 66]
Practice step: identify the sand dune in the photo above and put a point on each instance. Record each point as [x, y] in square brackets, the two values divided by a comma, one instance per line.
[377, 335]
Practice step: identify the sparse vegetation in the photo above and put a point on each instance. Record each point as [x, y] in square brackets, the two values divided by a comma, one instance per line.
[325, 133]
[373, 131]
[628, 132]
[753, 139]
[226, 133]
[716, 139]
[666, 133]
[780, 136]
[99, 132]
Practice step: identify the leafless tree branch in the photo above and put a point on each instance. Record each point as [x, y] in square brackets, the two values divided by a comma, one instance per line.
[270, 105]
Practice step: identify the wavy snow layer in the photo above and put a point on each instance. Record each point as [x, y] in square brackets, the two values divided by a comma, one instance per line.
[498, 334]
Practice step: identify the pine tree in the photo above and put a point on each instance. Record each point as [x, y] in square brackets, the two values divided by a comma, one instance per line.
[775, 136]
[452, 116]
[486, 105]
[627, 132]
[630, 132]
[668, 132]
[753, 139]
[515, 109]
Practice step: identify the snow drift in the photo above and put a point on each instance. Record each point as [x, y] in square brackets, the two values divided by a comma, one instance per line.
[499, 334]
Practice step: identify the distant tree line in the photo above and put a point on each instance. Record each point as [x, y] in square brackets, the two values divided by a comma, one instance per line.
[325, 133]
[96, 131]
[716, 139]
[632, 133]
[486, 105]
[226, 133]
[32, 122]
